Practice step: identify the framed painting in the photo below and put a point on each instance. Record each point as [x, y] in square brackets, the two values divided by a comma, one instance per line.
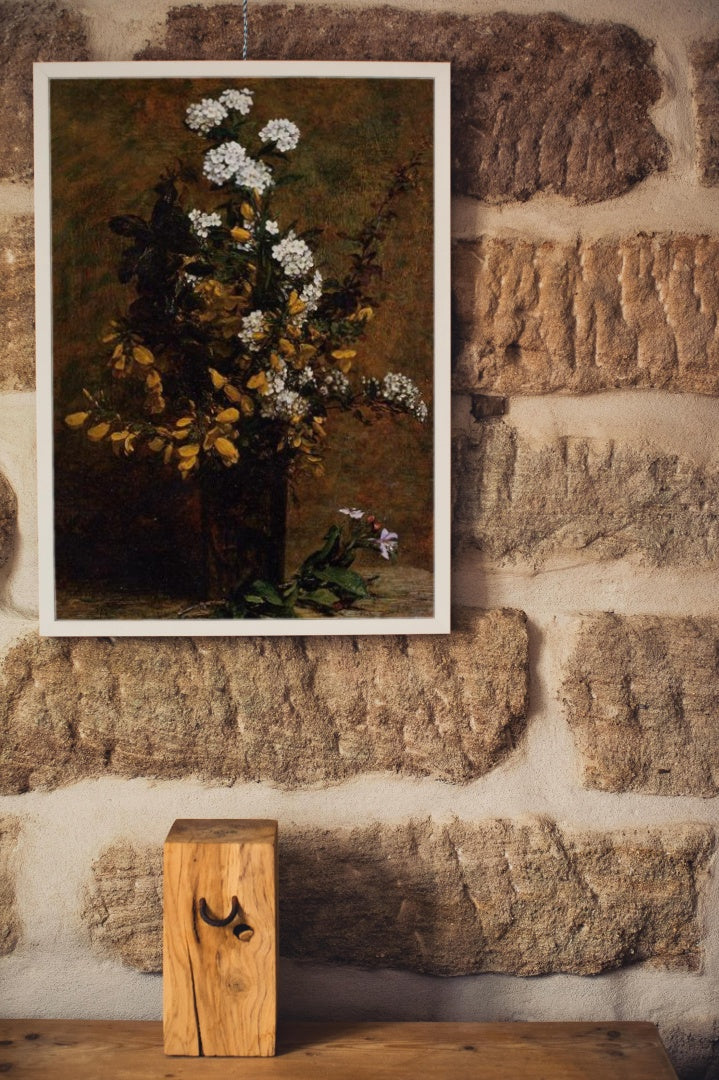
[243, 333]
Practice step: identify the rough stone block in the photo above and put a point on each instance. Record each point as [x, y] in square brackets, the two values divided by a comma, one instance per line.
[9, 919]
[17, 304]
[29, 33]
[290, 711]
[521, 897]
[642, 697]
[8, 519]
[540, 102]
[123, 904]
[535, 318]
[516, 500]
[705, 61]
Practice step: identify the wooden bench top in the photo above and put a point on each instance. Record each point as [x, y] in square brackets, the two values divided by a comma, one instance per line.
[124, 1050]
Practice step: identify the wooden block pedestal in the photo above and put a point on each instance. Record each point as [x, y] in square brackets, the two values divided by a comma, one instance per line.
[220, 938]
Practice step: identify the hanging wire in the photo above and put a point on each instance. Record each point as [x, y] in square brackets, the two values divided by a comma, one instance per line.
[245, 21]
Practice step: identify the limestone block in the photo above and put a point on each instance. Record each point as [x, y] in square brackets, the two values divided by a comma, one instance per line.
[642, 698]
[540, 102]
[516, 500]
[17, 303]
[705, 62]
[123, 905]
[539, 317]
[9, 918]
[29, 33]
[522, 897]
[8, 519]
[290, 711]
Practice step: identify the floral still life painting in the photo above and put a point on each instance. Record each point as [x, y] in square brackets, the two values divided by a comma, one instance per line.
[243, 377]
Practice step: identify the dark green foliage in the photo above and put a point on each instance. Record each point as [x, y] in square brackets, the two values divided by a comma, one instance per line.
[324, 584]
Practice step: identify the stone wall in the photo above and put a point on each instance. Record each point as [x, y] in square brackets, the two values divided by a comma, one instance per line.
[533, 795]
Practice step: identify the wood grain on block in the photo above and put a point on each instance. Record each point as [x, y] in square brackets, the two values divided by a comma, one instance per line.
[539, 102]
[74, 1049]
[537, 317]
[220, 981]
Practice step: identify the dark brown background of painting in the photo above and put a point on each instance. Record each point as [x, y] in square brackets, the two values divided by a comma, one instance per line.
[136, 526]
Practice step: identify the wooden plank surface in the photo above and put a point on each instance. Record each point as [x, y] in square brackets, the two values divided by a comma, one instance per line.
[118, 1050]
[220, 982]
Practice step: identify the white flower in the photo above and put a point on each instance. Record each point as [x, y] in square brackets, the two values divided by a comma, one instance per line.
[252, 324]
[274, 382]
[399, 390]
[312, 293]
[222, 162]
[254, 175]
[336, 385]
[386, 542]
[305, 377]
[202, 223]
[230, 161]
[283, 133]
[271, 227]
[293, 255]
[352, 512]
[205, 115]
[241, 100]
[280, 403]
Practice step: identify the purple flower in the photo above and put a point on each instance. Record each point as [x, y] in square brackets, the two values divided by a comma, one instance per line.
[387, 543]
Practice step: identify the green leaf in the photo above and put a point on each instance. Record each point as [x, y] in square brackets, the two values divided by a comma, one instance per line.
[347, 580]
[324, 553]
[322, 598]
[262, 590]
[291, 594]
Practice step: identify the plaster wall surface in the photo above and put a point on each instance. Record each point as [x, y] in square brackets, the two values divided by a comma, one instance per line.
[54, 971]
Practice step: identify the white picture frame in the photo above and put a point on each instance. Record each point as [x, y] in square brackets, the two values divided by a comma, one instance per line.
[421, 609]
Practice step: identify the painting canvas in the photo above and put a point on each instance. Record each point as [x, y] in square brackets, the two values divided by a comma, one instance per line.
[243, 348]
